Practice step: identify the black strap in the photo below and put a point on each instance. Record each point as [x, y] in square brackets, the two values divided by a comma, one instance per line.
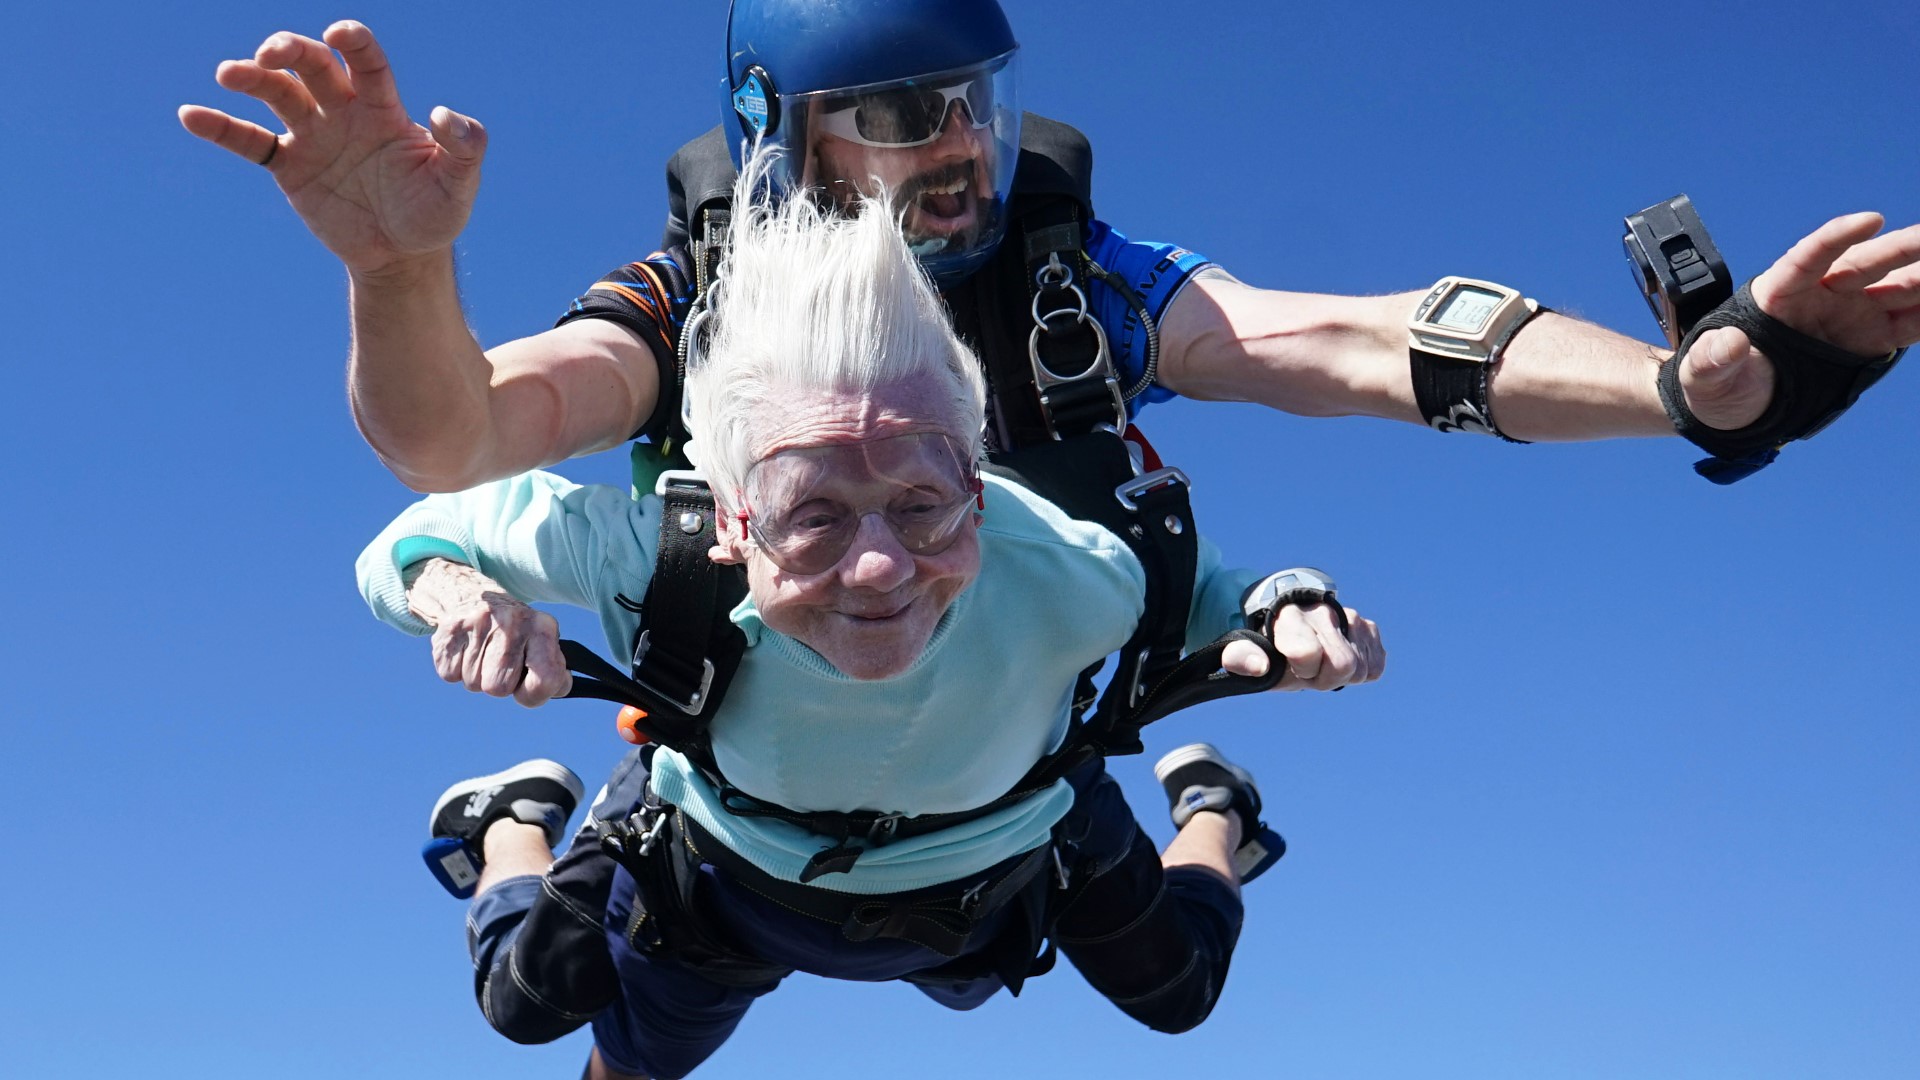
[942, 917]
[1814, 383]
[686, 649]
[1092, 478]
[1451, 391]
[666, 919]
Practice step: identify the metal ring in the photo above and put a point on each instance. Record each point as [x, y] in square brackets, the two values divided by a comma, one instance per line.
[1045, 277]
[1079, 312]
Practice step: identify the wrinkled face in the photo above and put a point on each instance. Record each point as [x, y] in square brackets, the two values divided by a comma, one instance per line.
[946, 186]
[864, 463]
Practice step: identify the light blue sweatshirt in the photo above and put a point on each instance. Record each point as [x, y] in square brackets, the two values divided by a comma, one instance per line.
[987, 699]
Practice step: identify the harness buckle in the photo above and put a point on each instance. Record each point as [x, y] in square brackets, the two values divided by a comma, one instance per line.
[652, 834]
[884, 827]
[1137, 678]
[1153, 481]
[688, 480]
[1057, 276]
[696, 702]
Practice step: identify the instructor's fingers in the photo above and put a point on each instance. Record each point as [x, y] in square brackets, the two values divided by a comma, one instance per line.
[1897, 290]
[323, 76]
[1871, 260]
[1366, 641]
[1295, 640]
[1809, 260]
[460, 136]
[242, 137]
[277, 90]
[1243, 658]
[367, 69]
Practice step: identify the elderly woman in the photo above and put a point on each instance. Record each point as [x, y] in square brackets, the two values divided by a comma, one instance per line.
[908, 649]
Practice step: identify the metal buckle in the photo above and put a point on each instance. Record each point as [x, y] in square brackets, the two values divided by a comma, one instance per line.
[1058, 275]
[692, 705]
[883, 827]
[1152, 481]
[689, 479]
[1137, 678]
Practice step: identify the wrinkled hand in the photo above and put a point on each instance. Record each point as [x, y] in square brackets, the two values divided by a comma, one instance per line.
[486, 639]
[1318, 655]
[1842, 284]
[375, 187]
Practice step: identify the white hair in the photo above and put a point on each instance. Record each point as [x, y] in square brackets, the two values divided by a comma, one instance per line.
[812, 301]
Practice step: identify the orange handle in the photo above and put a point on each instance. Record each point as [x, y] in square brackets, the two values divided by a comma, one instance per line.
[629, 717]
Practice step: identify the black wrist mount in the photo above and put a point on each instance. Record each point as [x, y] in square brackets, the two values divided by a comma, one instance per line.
[1814, 383]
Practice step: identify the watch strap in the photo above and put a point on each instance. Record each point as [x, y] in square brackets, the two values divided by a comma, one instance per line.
[1451, 391]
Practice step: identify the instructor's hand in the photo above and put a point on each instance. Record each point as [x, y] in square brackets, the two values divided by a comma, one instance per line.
[1843, 284]
[486, 639]
[1318, 655]
[379, 190]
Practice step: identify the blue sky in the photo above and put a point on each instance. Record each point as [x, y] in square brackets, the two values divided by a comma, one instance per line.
[1636, 798]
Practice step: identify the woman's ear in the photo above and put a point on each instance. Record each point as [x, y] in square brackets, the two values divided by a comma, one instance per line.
[730, 539]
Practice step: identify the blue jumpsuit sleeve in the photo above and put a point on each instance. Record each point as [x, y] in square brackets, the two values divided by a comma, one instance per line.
[1156, 273]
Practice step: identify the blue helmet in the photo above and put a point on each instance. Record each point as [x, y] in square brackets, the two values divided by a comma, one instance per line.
[916, 96]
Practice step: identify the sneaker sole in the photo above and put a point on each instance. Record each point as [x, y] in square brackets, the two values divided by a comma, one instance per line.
[539, 768]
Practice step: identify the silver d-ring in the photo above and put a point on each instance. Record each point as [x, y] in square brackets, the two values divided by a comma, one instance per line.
[1079, 312]
[1054, 274]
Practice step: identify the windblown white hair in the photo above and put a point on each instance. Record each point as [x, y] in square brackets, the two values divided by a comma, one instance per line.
[812, 301]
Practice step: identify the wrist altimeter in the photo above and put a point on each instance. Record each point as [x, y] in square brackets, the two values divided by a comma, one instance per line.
[1302, 585]
[1454, 339]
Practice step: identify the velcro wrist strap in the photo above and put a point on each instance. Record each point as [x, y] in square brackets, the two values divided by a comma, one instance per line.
[1814, 383]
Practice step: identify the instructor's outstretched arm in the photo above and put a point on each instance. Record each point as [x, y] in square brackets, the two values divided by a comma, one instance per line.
[388, 197]
[1560, 379]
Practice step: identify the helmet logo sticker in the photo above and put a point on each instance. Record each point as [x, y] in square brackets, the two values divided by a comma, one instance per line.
[755, 101]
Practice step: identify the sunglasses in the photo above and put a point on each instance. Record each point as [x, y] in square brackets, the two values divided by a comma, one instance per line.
[904, 116]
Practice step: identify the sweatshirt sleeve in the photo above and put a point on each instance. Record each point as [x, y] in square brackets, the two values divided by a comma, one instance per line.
[1217, 594]
[545, 539]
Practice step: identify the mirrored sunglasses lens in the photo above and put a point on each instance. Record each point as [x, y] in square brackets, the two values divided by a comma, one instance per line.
[893, 117]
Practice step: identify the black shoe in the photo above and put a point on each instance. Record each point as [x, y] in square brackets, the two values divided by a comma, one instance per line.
[537, 792]
[1198, 777]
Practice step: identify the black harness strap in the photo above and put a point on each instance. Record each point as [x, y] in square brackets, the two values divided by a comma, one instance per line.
[679, 676]
[666, 916]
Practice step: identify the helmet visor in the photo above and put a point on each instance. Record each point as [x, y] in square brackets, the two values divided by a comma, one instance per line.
[941, 146]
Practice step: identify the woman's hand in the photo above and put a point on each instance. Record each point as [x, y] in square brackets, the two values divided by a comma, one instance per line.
[485, 638]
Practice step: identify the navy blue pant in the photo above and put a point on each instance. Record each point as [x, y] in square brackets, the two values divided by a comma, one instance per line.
[550, 952]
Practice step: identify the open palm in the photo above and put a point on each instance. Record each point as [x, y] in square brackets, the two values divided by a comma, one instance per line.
[375, 187]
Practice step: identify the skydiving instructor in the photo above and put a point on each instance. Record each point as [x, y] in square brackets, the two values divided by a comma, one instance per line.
[919, 96]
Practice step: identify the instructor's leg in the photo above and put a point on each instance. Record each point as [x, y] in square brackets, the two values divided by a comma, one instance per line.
[1155, 933]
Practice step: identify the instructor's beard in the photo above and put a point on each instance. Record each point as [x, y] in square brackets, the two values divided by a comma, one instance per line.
[938, 218]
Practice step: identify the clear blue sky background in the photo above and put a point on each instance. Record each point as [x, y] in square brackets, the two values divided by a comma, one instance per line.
[1637, 797]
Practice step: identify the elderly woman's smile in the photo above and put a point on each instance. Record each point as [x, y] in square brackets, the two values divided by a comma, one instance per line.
[857, 529]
